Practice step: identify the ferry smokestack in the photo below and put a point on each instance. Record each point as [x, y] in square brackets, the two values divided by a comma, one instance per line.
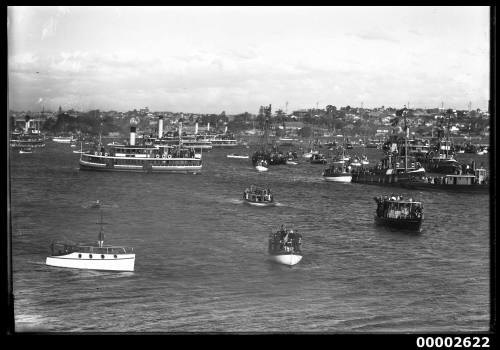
[132, 136]
[160, 127]
[196, 128]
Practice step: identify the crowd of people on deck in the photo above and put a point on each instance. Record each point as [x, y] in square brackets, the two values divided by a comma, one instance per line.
[257, 194]
[390, 206]
[284, 240]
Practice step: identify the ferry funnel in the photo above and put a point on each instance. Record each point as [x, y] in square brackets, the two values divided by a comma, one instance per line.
[160, 127]
[132, 136]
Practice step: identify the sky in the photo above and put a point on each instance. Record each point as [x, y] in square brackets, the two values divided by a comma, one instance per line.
[236, 59]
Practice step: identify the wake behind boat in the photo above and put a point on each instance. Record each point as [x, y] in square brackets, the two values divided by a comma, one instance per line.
[91, 257]
[285, 246]
[258, 196]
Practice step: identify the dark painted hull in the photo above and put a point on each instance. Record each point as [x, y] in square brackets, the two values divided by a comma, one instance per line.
[407, 182]
[403, 224]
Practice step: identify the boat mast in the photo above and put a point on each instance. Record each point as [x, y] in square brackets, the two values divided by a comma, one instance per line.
[407, 132]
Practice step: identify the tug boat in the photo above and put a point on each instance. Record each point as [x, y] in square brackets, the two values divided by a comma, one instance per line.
[258, 196]
[337, 172]
[285, 246]
[152, 155]
[395, 211]
[91, 257]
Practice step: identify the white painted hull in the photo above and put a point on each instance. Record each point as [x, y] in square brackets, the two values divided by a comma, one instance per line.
[261, 204]
[108, 262]
[236, 157]
[261, 168]
[62, 140]
[346, 178]
[290, 162]
[417, 171]
[286, 259]
[25, 152]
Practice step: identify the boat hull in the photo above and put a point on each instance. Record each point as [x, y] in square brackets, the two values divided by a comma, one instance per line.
[406, 182]
[406, 224]
[107, 262]
[86, 165]
[260, 204]
[286, 259]
[261, 168]
[237, 157]
[340, 178]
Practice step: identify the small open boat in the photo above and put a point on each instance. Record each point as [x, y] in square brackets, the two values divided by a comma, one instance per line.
[285, 246]
[26, 150]
[261, 166]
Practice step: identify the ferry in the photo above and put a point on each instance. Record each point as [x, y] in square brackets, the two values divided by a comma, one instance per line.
[396, 211]
[285, 246]
[151, 156]
[338, 171]
[258, 196]
[220, 140]
[62, 139]
[21, 140]
[91, 256]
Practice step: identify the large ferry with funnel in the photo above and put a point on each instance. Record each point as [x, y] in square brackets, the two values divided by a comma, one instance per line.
[150, 155]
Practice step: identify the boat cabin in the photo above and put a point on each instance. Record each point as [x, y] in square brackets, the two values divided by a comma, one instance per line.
[258, 194]
[61, 248]
[395, 207]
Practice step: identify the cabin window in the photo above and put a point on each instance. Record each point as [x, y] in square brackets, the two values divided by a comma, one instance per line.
[90, 256]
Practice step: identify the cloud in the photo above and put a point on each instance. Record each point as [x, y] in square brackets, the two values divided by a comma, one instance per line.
[49, 28]
[375, 35]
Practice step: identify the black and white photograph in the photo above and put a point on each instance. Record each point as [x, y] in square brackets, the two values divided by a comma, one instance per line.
[250, 170]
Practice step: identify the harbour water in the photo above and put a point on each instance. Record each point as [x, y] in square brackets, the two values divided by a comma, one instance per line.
[201, 253]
